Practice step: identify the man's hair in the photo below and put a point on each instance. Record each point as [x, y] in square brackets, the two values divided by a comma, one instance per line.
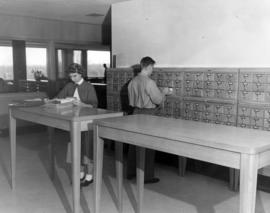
[75, 68]
[146, 61]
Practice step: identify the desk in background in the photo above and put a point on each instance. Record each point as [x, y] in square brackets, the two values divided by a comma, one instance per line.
[14, 97]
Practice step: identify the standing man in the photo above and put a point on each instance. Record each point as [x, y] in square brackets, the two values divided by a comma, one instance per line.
[144, 96]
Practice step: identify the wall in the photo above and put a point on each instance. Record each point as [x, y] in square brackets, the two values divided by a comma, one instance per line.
[192, 33]
[28, 28]
[107, 29]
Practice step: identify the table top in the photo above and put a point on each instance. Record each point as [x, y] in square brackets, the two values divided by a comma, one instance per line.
[229, 138]
[74, 113]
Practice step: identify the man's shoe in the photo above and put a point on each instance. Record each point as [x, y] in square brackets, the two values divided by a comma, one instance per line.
[130, 177]
[151, 180]
[86, 183]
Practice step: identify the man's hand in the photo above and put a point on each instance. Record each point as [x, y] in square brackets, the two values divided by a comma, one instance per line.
[167, 91]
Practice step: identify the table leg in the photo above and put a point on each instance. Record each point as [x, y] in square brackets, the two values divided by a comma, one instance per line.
[119, 174]
[182, 165]
[75, 134]
[86, 144]
[52, 150]
[140, 162]
[248, 183]
[234, 179]
[12, 135]
[98, 164]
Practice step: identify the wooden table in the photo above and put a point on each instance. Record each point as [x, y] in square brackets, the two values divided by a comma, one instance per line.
[244, 149]
[73, 119]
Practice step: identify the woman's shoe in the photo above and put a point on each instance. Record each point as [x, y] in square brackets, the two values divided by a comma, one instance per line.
[86, 183]
[81, 179]
[87, 180]
[151, 180]
[131, 176]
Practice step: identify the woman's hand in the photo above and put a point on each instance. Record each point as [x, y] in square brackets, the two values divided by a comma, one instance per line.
[77, 102]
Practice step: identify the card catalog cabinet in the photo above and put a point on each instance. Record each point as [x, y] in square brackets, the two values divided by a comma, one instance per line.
[229, 96]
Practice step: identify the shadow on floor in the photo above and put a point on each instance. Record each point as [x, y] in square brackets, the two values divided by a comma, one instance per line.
[191, 194]
[4, 168]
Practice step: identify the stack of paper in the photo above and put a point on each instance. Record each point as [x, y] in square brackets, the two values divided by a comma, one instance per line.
[60, 103]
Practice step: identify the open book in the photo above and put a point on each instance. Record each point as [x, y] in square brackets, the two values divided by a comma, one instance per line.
[59, 103]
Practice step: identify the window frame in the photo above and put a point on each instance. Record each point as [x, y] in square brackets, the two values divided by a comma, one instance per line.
[110, 63]
[7, 43]
[80, 47]
[36, 45]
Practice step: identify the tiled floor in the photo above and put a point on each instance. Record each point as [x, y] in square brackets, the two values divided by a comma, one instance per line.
[37, 193]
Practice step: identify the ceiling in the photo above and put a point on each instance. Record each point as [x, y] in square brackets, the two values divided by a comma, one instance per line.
[85, 11]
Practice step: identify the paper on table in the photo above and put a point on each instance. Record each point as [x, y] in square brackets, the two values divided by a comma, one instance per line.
[34, 99]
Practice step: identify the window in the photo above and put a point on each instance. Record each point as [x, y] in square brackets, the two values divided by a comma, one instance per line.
[36, 60]
[96, 61]
[6, 63]
[77, 56]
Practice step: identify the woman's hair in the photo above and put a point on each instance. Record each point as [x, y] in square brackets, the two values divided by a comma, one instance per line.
[75, 68]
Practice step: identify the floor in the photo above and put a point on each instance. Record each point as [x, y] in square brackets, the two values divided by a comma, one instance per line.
[37, 193]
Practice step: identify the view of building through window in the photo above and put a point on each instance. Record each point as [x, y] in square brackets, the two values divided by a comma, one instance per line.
[6, 63]
[77, 56]
[36, 60]
[96, 61]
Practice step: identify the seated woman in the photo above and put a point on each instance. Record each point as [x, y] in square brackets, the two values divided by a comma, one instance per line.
[85, 95]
